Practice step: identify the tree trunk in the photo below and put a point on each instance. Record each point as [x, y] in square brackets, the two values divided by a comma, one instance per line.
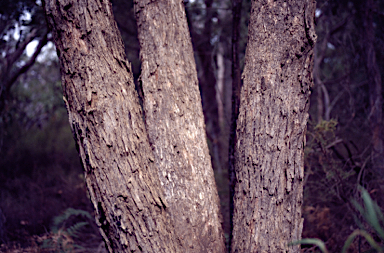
[175, 124]
[108, 127]
[269, 157]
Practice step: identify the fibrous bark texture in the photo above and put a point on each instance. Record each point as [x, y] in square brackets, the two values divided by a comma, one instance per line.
[175, 124]
[107, 123]
[271, 126]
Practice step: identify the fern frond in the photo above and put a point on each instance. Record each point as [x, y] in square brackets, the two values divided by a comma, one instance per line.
[73, 230]
[58, 220]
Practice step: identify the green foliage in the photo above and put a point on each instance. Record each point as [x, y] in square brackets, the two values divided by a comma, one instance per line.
[59, 221]
[321, 136]
[40, 174]
[334, 167]
[312, 241]
[364, 234]
[321, 163]
[326, 127]
[64, 231]
[372, 214]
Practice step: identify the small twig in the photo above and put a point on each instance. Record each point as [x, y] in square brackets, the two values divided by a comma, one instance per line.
[337, 141]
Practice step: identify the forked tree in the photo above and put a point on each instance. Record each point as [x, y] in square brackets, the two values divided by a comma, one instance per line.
[148, 172]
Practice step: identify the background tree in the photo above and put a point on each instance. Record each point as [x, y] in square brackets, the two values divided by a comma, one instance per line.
[17, 30]
[339, 152]
[40, 169]
[208, 78]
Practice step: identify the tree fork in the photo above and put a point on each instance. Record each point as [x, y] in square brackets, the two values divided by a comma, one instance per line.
[107, 124]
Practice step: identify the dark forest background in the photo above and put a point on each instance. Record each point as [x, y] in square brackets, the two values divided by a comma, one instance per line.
[44, 205]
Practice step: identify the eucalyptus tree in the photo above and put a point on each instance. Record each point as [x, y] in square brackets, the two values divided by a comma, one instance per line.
[148, 170]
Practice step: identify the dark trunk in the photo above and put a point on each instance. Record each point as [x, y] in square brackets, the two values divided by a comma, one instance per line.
[236, 85]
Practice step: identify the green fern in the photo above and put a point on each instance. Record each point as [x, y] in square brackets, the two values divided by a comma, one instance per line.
[58, 221]
[74, 230]
[61, 236]
[371, 212]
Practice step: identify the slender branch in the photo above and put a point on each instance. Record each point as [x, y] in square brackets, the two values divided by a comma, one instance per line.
[7, 81]
[29, 63]
[11, 59]
[332, 104]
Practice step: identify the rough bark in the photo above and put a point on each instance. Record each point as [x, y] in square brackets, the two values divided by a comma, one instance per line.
[108, 127]
[269, 157]
[175, 124]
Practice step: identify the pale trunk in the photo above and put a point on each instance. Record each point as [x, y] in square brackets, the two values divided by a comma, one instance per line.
[175, 122]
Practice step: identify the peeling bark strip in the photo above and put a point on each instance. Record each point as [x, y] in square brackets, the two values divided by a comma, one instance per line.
[271, 126]
[106, 120]
[175, 124]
